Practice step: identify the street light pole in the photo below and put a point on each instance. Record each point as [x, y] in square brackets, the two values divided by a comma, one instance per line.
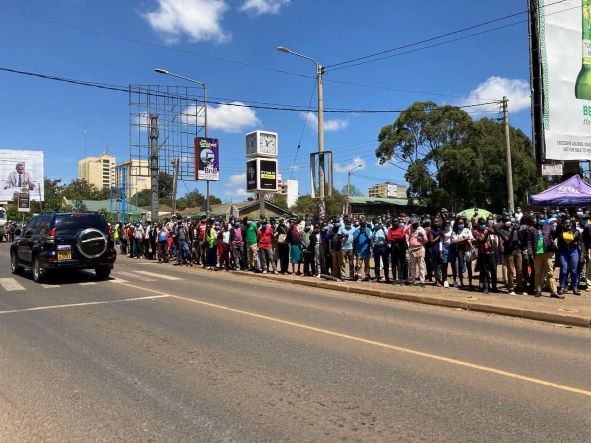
[349, 174]
[319, 84]
[204, 85]
[508, 149]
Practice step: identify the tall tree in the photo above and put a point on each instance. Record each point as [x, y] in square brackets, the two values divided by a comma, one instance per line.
[452, 160]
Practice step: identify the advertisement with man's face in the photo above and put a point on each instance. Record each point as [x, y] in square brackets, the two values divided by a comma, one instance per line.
[21, 171]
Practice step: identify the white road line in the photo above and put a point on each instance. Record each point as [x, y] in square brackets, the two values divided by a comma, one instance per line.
[10, 284]
[162, 276]
[88, 283]
[137, 277]
[118, 280]
[75, 305]
[50, 286]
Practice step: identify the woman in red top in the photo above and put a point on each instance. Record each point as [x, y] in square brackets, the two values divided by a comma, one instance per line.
[486, 256]
[397, 244]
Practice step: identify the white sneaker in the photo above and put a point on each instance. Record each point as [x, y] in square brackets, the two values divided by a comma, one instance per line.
[445, 284]
[264, 272]
[511, 292]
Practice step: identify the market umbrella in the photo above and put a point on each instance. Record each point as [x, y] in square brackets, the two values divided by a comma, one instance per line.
[469, 213]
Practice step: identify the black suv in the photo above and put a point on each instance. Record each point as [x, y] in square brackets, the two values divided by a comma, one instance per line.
[64, 240]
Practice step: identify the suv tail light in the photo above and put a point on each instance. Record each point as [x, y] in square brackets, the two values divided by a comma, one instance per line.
[51, 236]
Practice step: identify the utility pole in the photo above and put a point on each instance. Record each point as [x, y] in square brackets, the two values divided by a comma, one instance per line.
[154, 134]
[508, 146]
[349, 174]
[175, 177]
[319, 74]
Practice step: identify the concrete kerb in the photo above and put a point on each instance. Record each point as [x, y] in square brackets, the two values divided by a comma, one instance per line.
[549, 317]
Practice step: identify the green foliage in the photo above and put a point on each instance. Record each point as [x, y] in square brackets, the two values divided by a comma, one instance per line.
[453, 161]
[354, 191]
[213, 200]
[306, 205]
[280, 200]
[80, 189]
[164, 185]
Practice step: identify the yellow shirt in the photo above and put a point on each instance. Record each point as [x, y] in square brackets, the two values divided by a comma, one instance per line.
[568, 237]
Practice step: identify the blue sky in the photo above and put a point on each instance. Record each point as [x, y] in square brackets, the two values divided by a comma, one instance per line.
[52, 116]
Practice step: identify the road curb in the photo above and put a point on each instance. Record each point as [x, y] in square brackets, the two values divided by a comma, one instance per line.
[545, 316]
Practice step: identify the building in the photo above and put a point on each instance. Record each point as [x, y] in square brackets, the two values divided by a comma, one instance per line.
[289, 188]
[136, 176]
[376, 207]
[388, 190]
[98, 171]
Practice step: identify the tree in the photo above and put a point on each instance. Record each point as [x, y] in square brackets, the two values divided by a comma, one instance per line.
[164, 185]
[306, 205]
[354, 191]
[280, 200]
[453, 161]
[213, 200]
[80, 189]
[194, 199]
[143, 198]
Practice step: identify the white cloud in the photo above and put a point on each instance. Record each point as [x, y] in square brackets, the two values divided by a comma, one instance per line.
[236, 180]
[346, 167]
[226, 118]
[294, 168]
[238, 192]
[495, 88]
[259, 7]
[199, 20]
[329, 125]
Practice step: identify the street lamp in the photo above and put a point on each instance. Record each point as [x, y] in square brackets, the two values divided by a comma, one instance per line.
[204, 85]
[319, 74]
[349, 174]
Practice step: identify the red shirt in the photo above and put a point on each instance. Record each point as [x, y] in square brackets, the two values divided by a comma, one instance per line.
[483, 240]
[395, 235]
[201, 227]
[265, 237]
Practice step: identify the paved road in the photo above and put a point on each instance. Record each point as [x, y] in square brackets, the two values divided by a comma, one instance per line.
[214, 357]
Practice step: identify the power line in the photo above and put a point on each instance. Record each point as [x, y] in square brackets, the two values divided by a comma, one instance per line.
[302, 131]
[430, 39]
[115, 88]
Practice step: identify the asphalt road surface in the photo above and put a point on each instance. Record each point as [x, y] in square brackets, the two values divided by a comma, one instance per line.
[166, 354]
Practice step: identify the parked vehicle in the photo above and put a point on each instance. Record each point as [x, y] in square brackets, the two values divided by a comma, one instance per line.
[53, 241]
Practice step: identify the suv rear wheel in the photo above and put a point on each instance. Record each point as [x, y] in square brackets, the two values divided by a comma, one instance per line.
[102, 272]
[14, 266]
[38, 272]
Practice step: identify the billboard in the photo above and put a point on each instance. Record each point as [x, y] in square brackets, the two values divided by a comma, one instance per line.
[565, 52]
[392, 191]
[21, 171]
[207, 159]
[261, 175]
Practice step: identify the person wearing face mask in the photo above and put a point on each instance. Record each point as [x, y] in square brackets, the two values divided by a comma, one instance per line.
[486, 256]
[416, 239]
[397, 244]
[543, 248]
[512, 258]
[462, 241]
[308, 242]
[347, 233]
[434, 248]
[569, 255]
[265, 246]
[212, 250]
[283, 246]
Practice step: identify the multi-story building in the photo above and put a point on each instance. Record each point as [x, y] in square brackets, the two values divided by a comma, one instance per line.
[289, 188]
[98, 171]
[387, 190]
[136, 176]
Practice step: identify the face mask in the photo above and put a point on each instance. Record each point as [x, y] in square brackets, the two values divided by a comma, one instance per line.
[460, 226]
[481, 227]
[264, 225]
[402, 224]
[491, 222]
[507, 224]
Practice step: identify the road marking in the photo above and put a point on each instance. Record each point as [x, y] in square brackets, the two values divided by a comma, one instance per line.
[50, 286]
[88, 283]
[153, 274]
[91, 303]
[10, 284]
[118, 280]
[451, 361]
[137, 277]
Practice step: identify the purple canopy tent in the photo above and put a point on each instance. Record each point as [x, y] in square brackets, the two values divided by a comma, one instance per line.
[572, 192]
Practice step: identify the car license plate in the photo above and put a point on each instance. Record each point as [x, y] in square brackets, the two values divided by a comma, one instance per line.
[64, 255]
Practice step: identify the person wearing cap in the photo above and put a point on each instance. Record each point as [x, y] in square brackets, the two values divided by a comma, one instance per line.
[416, 239]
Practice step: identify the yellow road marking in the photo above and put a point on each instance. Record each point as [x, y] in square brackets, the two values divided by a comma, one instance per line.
[379, 344]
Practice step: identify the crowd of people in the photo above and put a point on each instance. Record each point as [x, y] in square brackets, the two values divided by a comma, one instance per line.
[447, 250]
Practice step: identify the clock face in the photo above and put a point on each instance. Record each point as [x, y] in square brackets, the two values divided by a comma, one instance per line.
[251, 143]
[268, 143]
